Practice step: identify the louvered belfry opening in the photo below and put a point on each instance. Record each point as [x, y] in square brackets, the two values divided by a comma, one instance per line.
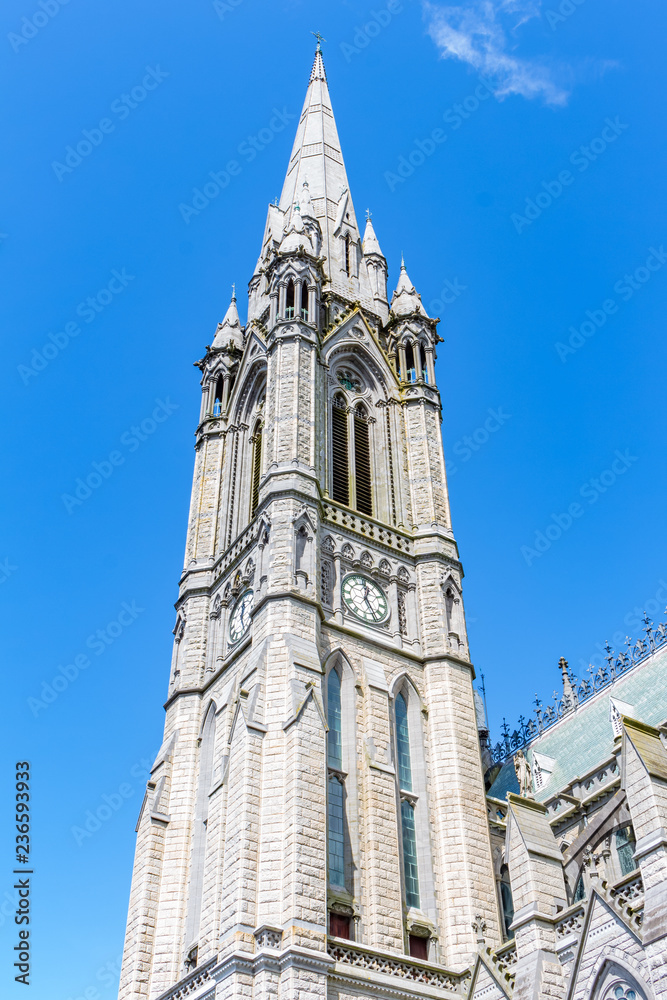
[340, 460]
[256, 470]
[362, 462]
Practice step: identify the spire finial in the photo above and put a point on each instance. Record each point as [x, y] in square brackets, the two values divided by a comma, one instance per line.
[234, 291]
[369, 214]
[402, 261]
[320, 38]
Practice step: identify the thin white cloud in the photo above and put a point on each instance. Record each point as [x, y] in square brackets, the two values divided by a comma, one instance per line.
[477, 34]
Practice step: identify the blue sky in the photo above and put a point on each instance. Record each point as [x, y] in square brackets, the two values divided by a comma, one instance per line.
[519, 228]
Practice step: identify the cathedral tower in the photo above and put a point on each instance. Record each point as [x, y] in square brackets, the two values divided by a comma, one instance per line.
[315, 822]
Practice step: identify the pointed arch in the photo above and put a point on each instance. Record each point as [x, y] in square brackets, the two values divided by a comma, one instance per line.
[256, 468]
[290, 298]
[618, 979]
[423, 369]
[340, 463]
[412, 796]
[218, 395]
[342, 787]
[362, 461]
[305, 312]
[205, 778]
[410, 373]
[361, 376]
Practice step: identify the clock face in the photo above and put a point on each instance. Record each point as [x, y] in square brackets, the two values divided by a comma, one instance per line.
[365, 599]
[239, 623]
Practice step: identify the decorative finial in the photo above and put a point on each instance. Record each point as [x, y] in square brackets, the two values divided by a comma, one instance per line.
[369, 215]
[479, 926]
[320, 38]
[234, 291]
[402, 261]
[568, 691]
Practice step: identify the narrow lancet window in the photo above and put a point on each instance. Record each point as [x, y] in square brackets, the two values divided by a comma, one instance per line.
[362, 462]
[424, 369]
[256, 470]
[334, 722]
[403, 745]
[335, 805]
[410, 868]
[336, 833]
[305, 315]
[339, 453]
[289, 300]
[410, 374]
[625, 849]
[217, 396]
[346, 253]
[408, 830]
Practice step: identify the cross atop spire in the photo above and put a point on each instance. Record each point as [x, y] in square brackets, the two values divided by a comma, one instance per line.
[318, 72]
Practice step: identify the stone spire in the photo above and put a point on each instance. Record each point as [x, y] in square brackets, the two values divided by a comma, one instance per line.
[229, 329]
[406, 299]
[370, 244]
[317, 160]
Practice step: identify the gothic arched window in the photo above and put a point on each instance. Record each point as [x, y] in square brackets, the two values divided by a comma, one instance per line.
[206, 759]
[410, 374]
[408, 829]
[351, 469]
[362, 462]
[305, 315]
[625, 849]
[289, 300]
[339, 451]
[335, 804]
[422, 358]
[217, 396]
[506, 900]
[256, 469]
[346, 253]
[403, 745]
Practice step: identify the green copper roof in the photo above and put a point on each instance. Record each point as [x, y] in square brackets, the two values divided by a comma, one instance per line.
[584, 738]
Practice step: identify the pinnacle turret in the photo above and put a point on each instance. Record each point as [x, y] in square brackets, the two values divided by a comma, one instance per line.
[230, 328]
[406, 299]
[370, 243]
